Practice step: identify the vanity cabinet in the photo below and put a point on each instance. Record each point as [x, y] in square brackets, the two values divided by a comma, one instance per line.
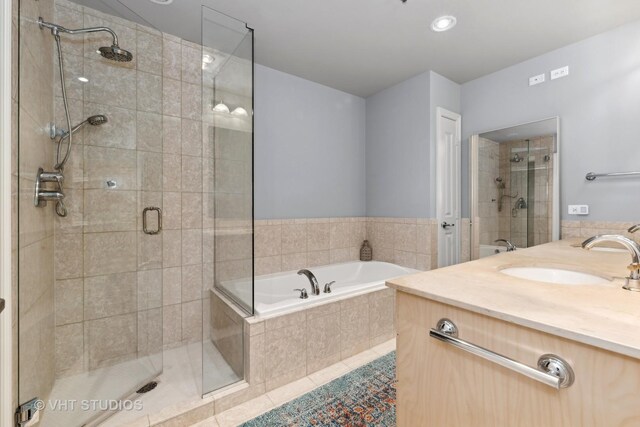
[440, 385]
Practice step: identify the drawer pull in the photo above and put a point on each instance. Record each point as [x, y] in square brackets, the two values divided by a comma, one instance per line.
[552, 370]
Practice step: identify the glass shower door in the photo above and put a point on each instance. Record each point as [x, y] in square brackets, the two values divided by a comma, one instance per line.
[90, 282]
[228, 144]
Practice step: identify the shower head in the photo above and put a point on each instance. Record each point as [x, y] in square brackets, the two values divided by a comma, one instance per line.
[115, 53]
[97, 120]
[516, 158]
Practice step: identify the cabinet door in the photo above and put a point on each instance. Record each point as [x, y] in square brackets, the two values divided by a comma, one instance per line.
[440, 385]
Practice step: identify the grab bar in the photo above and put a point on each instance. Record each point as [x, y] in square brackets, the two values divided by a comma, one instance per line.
[552, 370]
[591, 176]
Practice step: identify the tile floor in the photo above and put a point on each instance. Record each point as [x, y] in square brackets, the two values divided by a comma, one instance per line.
[277, 397]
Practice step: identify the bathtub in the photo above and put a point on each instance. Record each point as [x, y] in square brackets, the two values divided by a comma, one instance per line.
[488, 250]
[274, 293]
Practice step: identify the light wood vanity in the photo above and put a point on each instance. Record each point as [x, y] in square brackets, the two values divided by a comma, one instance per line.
[594, 328]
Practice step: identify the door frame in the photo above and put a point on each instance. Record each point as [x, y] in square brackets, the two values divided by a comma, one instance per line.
[6, 335]
[440, 114]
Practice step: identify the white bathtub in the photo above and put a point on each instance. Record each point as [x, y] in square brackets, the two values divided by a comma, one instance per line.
[274, 293]
[488, 250]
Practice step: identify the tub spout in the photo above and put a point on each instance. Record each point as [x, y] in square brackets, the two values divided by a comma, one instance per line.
[315, 289]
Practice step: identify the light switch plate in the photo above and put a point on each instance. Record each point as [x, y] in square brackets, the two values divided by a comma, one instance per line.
[578, 209]
[536, 80]
[560, 72]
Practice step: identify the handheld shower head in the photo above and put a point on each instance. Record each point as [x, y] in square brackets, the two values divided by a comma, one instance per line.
[97, 120]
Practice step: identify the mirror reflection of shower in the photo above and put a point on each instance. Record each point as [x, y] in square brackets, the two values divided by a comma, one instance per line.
[112, 53]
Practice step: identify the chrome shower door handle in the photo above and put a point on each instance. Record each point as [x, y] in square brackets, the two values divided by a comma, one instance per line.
[144, 220]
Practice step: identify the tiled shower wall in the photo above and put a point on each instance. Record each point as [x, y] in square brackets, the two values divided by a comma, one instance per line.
[107, 271]
[36, 233]
[519, 228]
[488, 193]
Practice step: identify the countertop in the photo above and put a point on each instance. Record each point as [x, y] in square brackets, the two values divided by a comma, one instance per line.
[604, 316]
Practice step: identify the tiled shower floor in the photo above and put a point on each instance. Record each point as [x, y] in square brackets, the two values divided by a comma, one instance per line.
[180, 381]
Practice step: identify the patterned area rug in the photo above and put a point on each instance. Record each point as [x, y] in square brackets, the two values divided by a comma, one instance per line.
[364, 397]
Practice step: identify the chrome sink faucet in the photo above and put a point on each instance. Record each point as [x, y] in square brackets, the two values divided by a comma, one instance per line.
[633, 280]
[510, 246]
[315, 289]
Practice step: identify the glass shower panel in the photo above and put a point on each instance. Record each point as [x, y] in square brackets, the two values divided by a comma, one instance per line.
[90, 278]
[228, 104]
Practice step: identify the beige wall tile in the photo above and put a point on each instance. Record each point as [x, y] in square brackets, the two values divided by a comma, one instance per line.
[149, 131]
[191, 247]
[69, 256]
[171, 98]
[294, 238]
[171, 59]
[192, 321]
[171, 285]
[172, 324]
[149, 49]
[150, 289]
[354, 326]
[106, 253]
[110, 295]
[69, 301]
[111, 340]
[191, 282]
[69, 349]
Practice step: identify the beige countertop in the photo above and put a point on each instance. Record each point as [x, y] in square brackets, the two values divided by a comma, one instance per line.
[604, 316]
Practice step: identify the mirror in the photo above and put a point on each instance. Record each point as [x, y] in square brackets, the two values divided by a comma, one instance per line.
[514, 175]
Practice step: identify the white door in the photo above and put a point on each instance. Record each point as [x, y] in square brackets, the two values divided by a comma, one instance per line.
[448, 191]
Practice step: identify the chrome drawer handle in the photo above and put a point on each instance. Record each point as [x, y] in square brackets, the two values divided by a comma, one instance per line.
[552, 370]
[144, 220]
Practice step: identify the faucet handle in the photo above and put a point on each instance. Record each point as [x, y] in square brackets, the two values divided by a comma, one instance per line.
[327, 287]
[634, 228]
[303, 293]
[634, 267]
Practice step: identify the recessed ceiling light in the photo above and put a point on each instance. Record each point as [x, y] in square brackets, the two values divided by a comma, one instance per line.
[443, 23]
[83, 79]
[162, 2]
[207, 59]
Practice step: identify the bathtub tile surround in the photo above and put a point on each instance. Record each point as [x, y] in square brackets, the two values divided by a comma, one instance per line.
[292, 244]
[288, 347]
[586, 229]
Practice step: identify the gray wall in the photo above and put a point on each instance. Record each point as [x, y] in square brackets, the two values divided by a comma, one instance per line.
[599, 109]
[309, 149]
[398, 150]
[446, 94]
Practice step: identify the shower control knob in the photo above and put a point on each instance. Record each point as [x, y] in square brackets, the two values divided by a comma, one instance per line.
[446, 225]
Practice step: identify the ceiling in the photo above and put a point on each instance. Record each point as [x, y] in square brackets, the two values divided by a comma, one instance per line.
[524, 131]
[364, 46]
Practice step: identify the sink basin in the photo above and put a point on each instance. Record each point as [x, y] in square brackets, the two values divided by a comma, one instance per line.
[554, 275]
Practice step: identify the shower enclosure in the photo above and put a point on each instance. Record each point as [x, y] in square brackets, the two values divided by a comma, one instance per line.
[128, 235]
[514, 187]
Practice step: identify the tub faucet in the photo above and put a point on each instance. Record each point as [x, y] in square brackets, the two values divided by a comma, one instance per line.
[633, 280]
[510, 246]
[315, 289]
